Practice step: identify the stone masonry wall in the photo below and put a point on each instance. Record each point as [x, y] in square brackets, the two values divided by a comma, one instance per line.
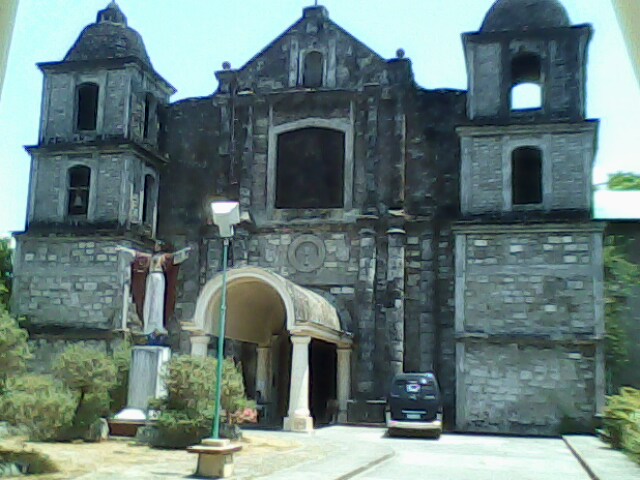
[526, 389]
[538, 284]
[529, 327]
[486, 170]
[51, 186]
[67, 282]
[47, 348]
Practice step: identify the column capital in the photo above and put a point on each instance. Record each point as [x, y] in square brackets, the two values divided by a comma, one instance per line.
[300, 340]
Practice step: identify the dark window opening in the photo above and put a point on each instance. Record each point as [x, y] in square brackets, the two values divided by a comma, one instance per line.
[310, 169]
[526, 163]
[148, 202]
[79, 183]
[313, 70]
[148, 105]
[526, 78]
[87, 106]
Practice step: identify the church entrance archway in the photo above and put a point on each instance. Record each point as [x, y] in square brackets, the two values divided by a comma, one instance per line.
[290, 336]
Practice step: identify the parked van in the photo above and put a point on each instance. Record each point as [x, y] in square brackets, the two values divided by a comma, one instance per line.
[414, 404]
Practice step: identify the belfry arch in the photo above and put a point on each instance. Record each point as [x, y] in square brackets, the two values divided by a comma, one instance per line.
[277, 316]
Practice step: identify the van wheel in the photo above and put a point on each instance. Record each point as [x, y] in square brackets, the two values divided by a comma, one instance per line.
[436, 435]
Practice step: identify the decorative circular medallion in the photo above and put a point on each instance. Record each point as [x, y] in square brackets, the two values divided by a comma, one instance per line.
[307, 253]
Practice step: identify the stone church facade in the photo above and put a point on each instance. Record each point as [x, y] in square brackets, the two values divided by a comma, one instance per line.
[386, 227]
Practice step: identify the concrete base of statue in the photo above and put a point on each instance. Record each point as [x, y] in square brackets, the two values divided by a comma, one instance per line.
[215, 458]
[145, 381]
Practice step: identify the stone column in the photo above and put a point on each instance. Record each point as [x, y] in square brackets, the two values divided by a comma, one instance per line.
[124, 268]
[126, 294]
[365, 306]
[344, 382]
[299, 419]
[199, 345]
[395, 304]
[263, 372]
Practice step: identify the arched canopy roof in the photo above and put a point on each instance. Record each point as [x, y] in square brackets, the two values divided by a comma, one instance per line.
[261, 304]
[518, 15]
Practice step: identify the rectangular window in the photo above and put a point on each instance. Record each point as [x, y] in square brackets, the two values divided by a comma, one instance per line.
[526, 179]
[310, 169]
[87, 106]
[79, 183]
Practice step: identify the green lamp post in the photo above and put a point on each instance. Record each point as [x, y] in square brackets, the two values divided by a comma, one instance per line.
[225, 216]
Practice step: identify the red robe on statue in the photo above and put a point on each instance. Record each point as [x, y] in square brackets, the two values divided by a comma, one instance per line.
[139, 272]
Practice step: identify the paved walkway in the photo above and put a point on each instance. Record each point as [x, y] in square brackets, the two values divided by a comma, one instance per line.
[342, 453]
[477, 457]
[348, 451]
[601, 461]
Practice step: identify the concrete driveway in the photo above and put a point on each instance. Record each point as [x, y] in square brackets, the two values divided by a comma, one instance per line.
[464, 457]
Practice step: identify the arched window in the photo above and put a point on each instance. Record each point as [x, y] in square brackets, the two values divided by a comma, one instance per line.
[87, 106]
[149, 200]
[526, 176]
[313, 70]
[310, 169]
[149, 102]
[526, 79]
[79, 178]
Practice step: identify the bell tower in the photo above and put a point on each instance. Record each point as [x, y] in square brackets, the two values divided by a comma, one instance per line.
[95, 173]
[529, 267]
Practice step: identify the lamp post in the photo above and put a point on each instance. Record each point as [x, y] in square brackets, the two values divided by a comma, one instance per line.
[225, 216]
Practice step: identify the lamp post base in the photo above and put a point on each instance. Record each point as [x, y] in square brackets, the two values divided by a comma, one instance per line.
[215, 457]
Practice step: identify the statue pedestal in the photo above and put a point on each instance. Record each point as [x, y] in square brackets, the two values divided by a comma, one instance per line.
[145, 381]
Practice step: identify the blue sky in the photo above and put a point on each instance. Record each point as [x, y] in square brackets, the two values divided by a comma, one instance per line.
[188, 41]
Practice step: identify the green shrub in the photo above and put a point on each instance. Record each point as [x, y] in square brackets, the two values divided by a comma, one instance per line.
[14, 351]
[622, 421]
[190, 383]
[90, 375]
[38, 403]
[6, 270]
[31, 462]
[186, 413]
[118, 393]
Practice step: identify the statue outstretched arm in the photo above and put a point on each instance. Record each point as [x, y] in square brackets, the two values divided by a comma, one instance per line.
[181, 255]
[130, 251]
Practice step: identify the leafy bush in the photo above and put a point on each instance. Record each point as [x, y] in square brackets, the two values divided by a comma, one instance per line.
[186, 413]
[38, 403]
[14, 351]
[621, 277]
[90, 375]
[6, 270]
[622, 422]
[118, 393]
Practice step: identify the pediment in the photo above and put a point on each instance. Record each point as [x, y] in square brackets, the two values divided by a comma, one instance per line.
[315, 41]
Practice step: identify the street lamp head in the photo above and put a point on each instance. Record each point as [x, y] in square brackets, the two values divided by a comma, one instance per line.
[225, 216]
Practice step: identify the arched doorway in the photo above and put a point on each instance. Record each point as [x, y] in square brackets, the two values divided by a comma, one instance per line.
[277, 320]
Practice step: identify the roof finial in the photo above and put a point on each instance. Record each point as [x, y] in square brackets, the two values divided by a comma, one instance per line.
[112, 14]
[315, 4]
